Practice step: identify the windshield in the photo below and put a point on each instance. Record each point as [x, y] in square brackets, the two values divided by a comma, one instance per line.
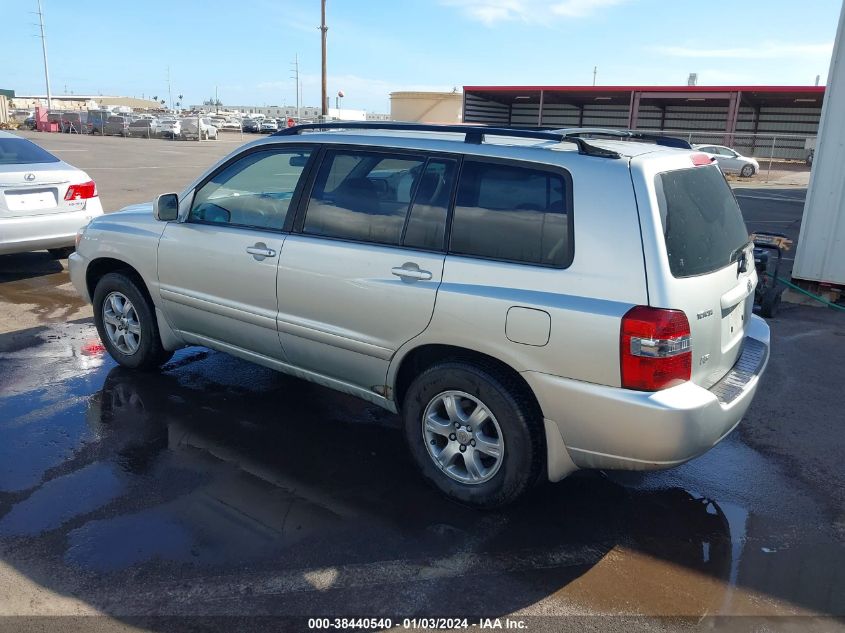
[702, 223]
[19, 151]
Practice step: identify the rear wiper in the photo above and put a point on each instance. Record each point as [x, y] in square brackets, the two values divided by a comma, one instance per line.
[735, 255]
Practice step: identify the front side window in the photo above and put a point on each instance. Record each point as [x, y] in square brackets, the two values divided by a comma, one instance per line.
[512, 213]
[255, 191]
[362, 196]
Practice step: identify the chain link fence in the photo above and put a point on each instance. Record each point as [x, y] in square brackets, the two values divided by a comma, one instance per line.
[776, 153]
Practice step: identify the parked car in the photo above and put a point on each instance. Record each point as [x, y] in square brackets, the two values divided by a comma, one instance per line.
[269, 125]
[232, 124]
[97, 120]
[29, 122]
[171, 128]
[75, 122]
[206, 129]
[252, 125]
[116, 126]
[730, 161]
[43, 200]
[148, 128]
[529, 308]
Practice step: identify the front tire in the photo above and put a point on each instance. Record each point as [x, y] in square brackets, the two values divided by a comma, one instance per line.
[474, 433]
[126, 323]
[747, 171]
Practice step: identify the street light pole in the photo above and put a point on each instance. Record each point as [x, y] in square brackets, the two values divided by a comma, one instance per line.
[323, 28]
[44, 49]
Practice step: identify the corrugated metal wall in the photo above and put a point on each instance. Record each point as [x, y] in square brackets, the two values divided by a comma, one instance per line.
[480, 110]
[787, 127]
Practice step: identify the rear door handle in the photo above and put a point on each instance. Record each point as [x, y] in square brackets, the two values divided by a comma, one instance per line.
[409, 271]
[260, 251]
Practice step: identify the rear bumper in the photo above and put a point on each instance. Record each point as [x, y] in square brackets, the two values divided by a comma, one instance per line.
[51, 230]
[612, 428]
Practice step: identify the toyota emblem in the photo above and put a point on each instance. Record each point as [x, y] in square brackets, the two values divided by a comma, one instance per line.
[29, 177]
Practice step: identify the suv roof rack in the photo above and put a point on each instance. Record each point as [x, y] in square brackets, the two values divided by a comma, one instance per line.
[656, 137]
[472, 133]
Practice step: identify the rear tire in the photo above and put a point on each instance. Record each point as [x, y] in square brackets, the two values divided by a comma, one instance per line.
[747, 171]
[130, 334]
[61, 253]
[491, 458]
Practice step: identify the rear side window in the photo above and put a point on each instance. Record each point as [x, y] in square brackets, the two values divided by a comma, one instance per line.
[702, 223]
[19, 151]
[512, 213]
[362, 196]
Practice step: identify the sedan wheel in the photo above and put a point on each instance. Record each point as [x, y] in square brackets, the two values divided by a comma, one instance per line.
[747, 171]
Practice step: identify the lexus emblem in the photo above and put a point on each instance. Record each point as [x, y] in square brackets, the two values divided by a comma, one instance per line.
[29, 177]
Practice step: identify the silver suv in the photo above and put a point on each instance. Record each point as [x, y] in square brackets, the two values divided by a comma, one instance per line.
[531, 302]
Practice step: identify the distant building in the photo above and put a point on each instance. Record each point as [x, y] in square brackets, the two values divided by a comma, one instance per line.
[426, 107]
[305, 112]
[83, 102]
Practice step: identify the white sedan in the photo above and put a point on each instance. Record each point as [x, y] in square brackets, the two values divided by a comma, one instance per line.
[43, 200]
[730, 161]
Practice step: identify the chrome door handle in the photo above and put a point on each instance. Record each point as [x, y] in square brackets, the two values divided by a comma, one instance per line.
[410, 271]
[260, 250]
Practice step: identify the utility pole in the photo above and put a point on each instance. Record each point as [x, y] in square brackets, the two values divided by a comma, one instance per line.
[295, 77]
[595, 71]
[169, 91]
[216, 101]
[44, 49]
[324, 103]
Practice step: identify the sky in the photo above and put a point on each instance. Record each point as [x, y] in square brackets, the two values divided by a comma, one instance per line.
[245, 50]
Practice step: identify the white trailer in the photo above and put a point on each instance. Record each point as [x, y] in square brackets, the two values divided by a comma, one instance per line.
[820, 256]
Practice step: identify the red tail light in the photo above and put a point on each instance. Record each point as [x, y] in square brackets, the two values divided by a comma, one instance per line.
[654, 349]
[82, 191]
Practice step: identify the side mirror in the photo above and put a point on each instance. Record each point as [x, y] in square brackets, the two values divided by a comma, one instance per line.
[166, 207]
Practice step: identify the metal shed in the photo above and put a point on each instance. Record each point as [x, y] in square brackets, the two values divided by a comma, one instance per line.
[744, 117]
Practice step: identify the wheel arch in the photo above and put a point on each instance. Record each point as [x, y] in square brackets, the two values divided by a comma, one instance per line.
[424, 356]
[102, 266]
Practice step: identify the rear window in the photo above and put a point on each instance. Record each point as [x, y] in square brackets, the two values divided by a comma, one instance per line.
[19, 151]
[702, 223]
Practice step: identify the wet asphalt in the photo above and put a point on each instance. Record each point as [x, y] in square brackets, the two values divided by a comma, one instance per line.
[218, 488]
